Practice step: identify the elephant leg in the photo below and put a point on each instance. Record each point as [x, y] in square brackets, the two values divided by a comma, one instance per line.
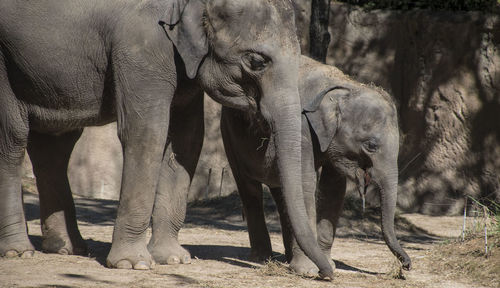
[178, 167]
[286, 228]
[332, 189]
[13, 140]
[251, 196]
[50, 156]
[143, 119]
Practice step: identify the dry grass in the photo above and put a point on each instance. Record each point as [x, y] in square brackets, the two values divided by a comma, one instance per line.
[467, 258]
[396, 271]
[274, 268]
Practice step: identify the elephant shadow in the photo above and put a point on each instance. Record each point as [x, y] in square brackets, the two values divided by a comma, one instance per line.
[238, 256]
[339, 265]
[234, 255]
[97, 250]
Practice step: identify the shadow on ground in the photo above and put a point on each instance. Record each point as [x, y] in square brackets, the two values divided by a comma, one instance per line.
[225, 213]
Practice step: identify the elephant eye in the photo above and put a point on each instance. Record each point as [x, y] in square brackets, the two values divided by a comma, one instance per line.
[371, 145]
[255, 61]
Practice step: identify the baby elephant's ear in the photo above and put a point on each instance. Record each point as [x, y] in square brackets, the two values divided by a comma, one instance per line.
[323, 115]
[183, 22]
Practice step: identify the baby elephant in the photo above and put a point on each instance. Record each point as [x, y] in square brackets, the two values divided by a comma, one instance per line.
[349, 130]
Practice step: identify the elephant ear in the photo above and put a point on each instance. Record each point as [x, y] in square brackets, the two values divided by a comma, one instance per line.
[183, 23]
[322, 113]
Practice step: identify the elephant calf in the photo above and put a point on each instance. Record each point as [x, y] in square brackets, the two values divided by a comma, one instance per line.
[348, 129]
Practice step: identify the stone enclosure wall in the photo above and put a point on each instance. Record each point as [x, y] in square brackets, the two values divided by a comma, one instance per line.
[443, 70]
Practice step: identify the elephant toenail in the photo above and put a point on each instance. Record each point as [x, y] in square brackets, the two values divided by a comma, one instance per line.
[63, 251]
[173, 260]
[11, 254]
[28, 254]
[141, 265]
[124, 264]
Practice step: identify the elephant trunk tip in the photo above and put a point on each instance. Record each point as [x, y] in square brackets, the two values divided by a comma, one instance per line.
[405, 262]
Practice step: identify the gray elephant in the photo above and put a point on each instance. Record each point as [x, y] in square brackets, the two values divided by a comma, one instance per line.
[69, 64]
[349, 130]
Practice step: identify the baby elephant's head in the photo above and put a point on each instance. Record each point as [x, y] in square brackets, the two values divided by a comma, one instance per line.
[355, 125]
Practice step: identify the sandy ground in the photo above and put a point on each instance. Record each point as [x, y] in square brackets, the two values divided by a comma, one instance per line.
[216, 236]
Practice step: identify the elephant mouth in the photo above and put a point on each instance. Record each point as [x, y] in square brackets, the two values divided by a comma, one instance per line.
[363, 179]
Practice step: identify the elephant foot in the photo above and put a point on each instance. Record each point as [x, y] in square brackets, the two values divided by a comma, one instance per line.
[260, 256]
[19, 248]
[54, 242]
[170, 253]
[302, 265]
[126, 256]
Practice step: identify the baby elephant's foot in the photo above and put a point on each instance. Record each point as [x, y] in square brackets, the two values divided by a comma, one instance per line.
[169, 252]
[60, 243]
[130, 256]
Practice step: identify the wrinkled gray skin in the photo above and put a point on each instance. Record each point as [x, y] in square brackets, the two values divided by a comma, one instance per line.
[69, 64]
[348, 129]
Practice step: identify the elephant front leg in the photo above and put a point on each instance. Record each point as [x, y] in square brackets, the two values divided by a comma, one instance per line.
[13, 139]
[331, 194]
[253, 208]
[142, 129]
[50, 156]
[178, 168]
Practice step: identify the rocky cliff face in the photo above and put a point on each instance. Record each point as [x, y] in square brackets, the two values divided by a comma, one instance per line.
[443, 69]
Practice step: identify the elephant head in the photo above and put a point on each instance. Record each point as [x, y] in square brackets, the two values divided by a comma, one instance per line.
[245, 55]
[357, 129]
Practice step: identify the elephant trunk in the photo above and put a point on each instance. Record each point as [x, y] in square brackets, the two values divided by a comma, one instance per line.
[285, 121]
[388, 184]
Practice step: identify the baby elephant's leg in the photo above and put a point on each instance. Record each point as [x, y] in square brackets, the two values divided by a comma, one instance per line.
[332, 188]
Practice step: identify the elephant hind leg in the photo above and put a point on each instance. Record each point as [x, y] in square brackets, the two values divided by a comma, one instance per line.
[253, 208]
[50, 156]
[177, 171]
[286, 228]
[13, 138]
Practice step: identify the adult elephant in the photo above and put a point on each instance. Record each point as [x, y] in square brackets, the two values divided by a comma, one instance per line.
[69, 64]
[349, 130]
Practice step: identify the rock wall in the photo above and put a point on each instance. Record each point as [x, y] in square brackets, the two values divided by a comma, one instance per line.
[443, 69]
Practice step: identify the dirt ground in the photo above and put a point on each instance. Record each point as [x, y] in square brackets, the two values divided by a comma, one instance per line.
[216, 236]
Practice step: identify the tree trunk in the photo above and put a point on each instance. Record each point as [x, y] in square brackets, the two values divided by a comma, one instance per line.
[318, 29]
